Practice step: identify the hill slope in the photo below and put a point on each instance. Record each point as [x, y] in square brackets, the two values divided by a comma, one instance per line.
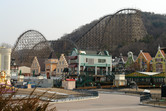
[155, 26]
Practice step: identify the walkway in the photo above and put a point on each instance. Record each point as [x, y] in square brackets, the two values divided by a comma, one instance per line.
[107, 102]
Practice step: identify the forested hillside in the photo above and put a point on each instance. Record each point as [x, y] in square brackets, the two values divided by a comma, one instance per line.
[155, 25]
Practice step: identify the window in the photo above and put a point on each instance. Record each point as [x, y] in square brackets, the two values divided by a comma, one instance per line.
[90, 61]
[86, 59]
[101, 60]
[48, 67]
[62, 62]
[138, 60]
[156, 60]
[159, 67]
[58, 70]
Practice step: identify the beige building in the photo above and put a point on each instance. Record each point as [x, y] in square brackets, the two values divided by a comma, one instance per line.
[69, 84]
[50, 65]
[38, 66]
[24, 70]
[62, 63]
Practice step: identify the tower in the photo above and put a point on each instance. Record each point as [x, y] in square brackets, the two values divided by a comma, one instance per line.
[5, 58]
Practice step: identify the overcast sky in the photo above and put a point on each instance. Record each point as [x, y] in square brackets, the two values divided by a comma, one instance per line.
[54, 18]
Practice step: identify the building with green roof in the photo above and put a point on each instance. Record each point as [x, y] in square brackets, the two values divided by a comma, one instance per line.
[94, 62]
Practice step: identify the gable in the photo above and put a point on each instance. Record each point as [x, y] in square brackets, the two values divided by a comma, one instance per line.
[163, 53]
[121, 60]
[35, 62]
[129, 61]
[159, 54]
[62, 61]
[147, 56]
[130, 58]
[74, 52]
[141, 56]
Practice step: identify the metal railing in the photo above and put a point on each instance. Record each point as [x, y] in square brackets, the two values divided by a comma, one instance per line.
[146, 97]
[153, 99]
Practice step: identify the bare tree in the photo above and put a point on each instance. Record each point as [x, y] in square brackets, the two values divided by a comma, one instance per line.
[7, 45]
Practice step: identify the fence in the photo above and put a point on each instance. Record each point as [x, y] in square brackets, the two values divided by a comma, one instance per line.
[145, 97]
[153, 99]
[81, 95]
[87, 92]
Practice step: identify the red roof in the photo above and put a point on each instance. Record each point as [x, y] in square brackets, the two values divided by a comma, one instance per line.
[162, 51]
[147, 55]
[70, 79]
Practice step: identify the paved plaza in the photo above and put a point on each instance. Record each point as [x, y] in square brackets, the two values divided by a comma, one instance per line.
[107, 102]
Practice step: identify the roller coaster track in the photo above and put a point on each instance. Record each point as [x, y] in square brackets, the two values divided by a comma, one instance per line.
[112, 30]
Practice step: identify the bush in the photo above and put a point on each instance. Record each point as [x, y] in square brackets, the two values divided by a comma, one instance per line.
[30, 103]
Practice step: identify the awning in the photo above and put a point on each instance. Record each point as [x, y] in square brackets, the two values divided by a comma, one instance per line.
[150, 73]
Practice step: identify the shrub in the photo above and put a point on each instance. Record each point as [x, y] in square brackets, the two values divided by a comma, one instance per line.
[30, 103]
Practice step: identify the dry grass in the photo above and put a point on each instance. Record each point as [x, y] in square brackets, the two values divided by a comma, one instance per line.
[7, 103]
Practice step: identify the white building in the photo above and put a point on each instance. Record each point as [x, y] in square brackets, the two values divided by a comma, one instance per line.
[24, 70]
[5, 58]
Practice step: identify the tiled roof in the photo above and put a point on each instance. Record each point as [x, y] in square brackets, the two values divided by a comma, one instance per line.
[162, 51]
[147, 55]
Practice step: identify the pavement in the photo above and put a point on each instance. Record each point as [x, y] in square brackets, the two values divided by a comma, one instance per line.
[107, 102]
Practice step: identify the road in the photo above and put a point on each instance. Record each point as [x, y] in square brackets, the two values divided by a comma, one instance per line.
[107, 102]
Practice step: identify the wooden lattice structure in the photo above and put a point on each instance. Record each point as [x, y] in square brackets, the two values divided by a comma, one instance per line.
[31, 43]
[109, 33]
[113, 31]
